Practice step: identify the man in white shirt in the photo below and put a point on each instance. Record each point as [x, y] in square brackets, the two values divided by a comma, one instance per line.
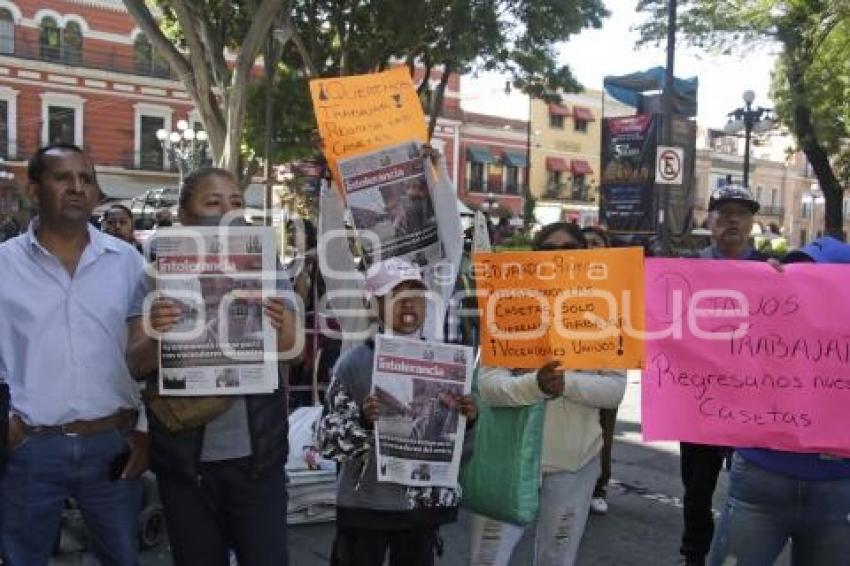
[69, 298]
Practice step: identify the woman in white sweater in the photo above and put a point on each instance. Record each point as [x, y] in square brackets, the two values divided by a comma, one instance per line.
[572, 440]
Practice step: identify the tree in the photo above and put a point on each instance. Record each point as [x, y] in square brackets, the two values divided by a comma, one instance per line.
[193, 37]
[812, 77]
[518, 37]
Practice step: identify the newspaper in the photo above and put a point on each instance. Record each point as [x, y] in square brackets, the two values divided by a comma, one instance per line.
[216, 276]
[391, 206]
[418, 439]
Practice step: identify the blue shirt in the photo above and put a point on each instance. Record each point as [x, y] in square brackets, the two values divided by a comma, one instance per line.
[63, 339]
[807, 467]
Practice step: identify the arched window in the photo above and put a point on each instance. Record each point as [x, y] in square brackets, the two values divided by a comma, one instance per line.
[142, 55]
[147, 60]
[50, 40]
[72, 44]
[7, 32]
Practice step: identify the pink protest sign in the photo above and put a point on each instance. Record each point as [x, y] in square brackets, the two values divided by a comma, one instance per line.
[738, 354]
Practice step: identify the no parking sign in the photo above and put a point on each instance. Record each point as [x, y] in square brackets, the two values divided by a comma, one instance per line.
[669, 163]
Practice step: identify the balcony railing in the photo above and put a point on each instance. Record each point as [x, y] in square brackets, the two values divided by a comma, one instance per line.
[566, 191]
[495, 187]
[772, 211]
[115, 60]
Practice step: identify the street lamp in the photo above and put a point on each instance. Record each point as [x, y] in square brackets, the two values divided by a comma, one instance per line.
[813, 198]
[749, 119]
[527, 145]
[185, 147]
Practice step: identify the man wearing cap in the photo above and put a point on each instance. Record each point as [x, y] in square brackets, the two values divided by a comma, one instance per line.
[775, 496]
[730, 219]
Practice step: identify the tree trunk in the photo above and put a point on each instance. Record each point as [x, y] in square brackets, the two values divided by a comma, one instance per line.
[437, 107]
[817, 155]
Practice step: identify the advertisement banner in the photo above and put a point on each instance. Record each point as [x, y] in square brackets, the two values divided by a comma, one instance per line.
[627, 187]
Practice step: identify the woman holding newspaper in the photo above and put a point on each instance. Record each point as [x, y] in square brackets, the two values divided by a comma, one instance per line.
[375, 518]
[221, 479]
[572, 439]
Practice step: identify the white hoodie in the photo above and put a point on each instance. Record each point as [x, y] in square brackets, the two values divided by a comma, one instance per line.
[571, 432]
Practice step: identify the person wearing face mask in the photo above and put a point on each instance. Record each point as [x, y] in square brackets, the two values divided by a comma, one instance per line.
[375, 519]
[572, 440]
[222, 483]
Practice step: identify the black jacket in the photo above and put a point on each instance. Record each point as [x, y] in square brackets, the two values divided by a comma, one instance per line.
[178, 454]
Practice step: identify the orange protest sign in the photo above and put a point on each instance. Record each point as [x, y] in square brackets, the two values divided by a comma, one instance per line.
[583, 308]
[361, 113]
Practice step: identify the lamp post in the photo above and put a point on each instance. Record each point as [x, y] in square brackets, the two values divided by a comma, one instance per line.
[185, 148]
[813, 197]
[749, 120]
[527, 145]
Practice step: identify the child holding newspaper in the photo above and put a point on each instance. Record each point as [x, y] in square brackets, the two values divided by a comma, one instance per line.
[373, 517]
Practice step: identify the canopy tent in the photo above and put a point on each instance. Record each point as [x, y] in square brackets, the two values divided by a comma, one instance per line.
[632, 89]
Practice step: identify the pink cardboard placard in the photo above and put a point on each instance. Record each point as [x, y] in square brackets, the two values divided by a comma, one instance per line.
[738, 354]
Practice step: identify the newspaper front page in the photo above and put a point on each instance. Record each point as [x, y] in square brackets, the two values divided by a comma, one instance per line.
[218, 277]
[418, 438]
[391, 206]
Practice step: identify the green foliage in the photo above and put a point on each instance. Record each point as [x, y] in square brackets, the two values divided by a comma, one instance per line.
[342, 37]
[811, 81]
[292, 111]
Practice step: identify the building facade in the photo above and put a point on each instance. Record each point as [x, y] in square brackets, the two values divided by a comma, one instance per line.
[565, 155]
[495, 164]
[780, 179]
[81, 72]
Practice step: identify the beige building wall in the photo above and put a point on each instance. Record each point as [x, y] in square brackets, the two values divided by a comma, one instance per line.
[567, 142]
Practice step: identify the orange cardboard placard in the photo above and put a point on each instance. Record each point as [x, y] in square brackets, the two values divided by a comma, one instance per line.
[583, 308]
[362, 113]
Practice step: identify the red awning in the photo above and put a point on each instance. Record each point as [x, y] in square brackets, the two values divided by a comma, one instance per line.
[582, 113]
[558, 110]
[580, 167]
[556, 164]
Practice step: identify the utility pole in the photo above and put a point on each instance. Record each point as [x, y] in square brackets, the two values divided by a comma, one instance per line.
[668, 114]
[269, 65]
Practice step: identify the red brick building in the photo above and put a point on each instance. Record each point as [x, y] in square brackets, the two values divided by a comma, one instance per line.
[80, 71]
[494, 162]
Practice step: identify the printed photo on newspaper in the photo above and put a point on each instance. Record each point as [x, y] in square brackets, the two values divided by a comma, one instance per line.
[418, 437]
[391, 206]
[218, 277]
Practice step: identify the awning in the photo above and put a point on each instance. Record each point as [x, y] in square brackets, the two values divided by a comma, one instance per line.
[556, 164]
[479, 155]
[558, 110]
[513, 159]
[582, 113]
[580, 167]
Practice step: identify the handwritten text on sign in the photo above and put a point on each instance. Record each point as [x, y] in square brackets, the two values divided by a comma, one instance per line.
[361, 113]
[745, 356]
[583, 308]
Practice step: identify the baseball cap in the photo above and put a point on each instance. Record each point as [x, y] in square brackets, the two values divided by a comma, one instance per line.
[383, 276]
[732, 193]
[822, 250]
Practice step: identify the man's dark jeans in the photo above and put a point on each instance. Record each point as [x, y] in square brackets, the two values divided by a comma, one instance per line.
[226, 510]
[700, 466]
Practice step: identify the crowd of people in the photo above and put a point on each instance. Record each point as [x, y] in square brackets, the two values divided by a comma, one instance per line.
[83, 417]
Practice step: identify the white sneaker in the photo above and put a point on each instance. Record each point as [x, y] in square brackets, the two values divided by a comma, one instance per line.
[599, 506]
